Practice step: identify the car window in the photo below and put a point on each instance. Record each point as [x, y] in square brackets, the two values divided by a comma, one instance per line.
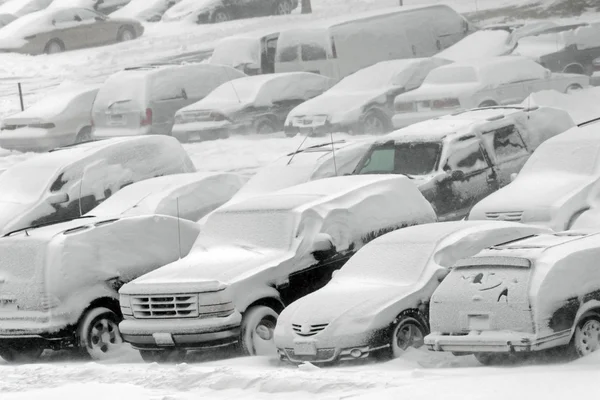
[64, 16]
[380, 160]
[465, 155]
[288, 54]
[506, 142]
[410, 158]
[313, 52]
[86, 15]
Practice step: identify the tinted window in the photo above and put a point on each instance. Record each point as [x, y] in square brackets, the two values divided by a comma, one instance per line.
[64, 16]
[288, 54]
[466, 156]
[506, 142]
[313, 52]
[86, 15]
[413, 158]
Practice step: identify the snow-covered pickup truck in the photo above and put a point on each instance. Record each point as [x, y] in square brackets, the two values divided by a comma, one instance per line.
[58, 283]
[527, 295]
[378, 303]
[255, 256]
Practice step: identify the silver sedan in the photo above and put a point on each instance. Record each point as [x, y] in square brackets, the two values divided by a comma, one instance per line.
[57, 30]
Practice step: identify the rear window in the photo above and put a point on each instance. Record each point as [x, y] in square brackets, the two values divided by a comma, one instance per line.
[124, 89]
[303, 45]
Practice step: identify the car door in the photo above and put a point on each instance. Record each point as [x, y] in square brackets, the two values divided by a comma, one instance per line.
[470, 177]
[508, 151]
[69, 29]
[97, 30]
[513, 92]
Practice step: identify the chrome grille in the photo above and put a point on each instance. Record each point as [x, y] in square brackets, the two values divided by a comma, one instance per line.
[308, 330]
[322, 355]
[512, 216]
[165, 306]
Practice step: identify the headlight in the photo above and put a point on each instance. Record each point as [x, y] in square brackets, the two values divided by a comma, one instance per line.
[125, 303]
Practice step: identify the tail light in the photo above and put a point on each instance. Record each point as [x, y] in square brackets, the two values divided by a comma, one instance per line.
[147, 119]
[405, 107]
[445, 103]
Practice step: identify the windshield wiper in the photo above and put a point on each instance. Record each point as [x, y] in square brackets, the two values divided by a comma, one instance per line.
[47, 224]
[316, 146]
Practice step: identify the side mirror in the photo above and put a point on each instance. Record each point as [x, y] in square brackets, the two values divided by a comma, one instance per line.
[513, 176]
[323, 247]
[184, 94]
[58, 198]
[456, 175]
[251, 69]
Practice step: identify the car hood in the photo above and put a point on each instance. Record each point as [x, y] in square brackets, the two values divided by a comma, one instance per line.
[533, 192]
[210, 269]
[332, 103]
[432, 92]
[12, 215]
[345, 300]
[225, 107]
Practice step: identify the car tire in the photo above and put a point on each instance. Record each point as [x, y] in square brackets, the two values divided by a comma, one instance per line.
[373, 123]
[586, 339]
[163, 356]
[126, 33]
[573, 88]
[84, 135]
[265, 127]
[488, 103]
[489, 359]
[54, 46]
[283, 7]
[221, 16]
[98, 333]
[24, 355]
[256, 334]
[408, 330]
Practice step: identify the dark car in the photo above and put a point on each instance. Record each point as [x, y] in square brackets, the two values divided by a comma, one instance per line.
[55, 30]
[209, 11]
[566, 48]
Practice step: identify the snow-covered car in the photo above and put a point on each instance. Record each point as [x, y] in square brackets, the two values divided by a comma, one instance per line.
[581, 105]
[19, 8]
[377, 304]
[255, 256]
[103, 6]
[479, 83]
[567, 48]
[524, 296]
[250, 52]
[362, 102]
[212, 11]
[6, 19]
[61, 118]
[558, 187]
[253, 104]
[60, 282]
[145, 10]
[68, 182]
[144, 100]
[459, 159]
[54, 30]
[492, 41]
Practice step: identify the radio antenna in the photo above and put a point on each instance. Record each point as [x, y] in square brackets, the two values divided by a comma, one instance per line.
[297, 150]
[178, 229]
[232, 85]
[333, 152]
[79, 200]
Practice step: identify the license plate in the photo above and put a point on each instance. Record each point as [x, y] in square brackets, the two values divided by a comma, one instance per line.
[116, 119]
[305, 349]
[163, 339]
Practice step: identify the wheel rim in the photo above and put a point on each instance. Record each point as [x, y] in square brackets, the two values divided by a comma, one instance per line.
[373, 124]
[126, 35]
[221, 17]
[54, 48]
[573, 88]
[104, 337]
[262, 337]
[588, 337]
[407, 335]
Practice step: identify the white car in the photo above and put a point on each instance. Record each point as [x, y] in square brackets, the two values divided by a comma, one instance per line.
[252, 104]
[558, 187]
[524, 296]
[457, 160]
[479, 83]
[60, 282]
[255, 256]
[378, 302]
[362, 102]
[145, 10]
[68, 182]
[61, 118]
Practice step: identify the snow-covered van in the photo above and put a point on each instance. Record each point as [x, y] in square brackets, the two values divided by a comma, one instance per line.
[251, 52]
[144, 100]
[68, 182]
[523, 296]
[558, 186]
[338, 47]
[255, 256]
[459, 159]
[58, 283]
[378, 302]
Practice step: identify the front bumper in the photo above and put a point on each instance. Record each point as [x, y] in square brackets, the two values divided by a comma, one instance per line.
[495, 342]
[405, 119]
[192, 333]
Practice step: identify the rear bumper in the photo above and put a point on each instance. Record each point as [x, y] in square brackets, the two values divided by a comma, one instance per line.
[495, 342]
[190, 333]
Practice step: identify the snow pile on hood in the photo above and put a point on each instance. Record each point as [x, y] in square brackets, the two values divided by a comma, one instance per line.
[581, 104]
[13, 35]
[583, 37]
[480, 44]
[189, 196]
[20, 8]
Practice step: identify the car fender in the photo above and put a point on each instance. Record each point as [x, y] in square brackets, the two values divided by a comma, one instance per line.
[255, 295]
[81, 299]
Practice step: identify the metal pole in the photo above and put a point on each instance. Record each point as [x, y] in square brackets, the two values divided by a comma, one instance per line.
[21, 96]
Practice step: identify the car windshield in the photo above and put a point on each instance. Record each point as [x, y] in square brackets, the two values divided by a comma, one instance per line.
[389, 262]
[368, 79]
[410, 158]
[24, 184]
[451, 75]
[253, 228]
[237, 91]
